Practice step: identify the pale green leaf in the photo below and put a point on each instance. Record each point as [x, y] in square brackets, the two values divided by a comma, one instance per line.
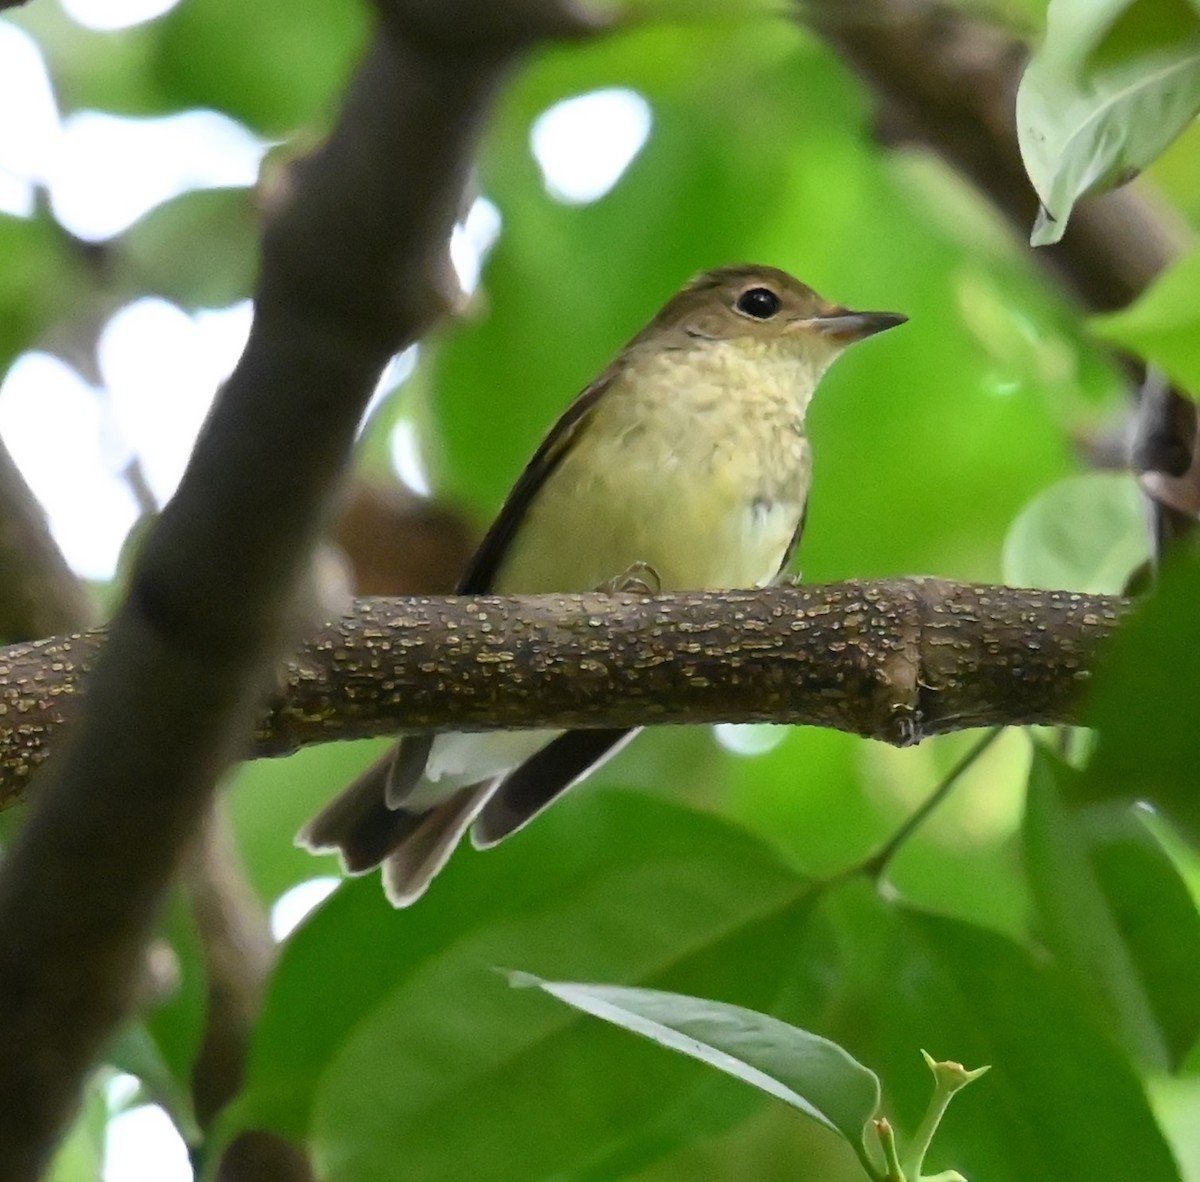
[800, 1068]
[1082, 130]
[1075, 28]
[1163, 325]
[79, 1156]
[1086, 533]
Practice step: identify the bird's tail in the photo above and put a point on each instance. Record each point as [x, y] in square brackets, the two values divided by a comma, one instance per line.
[412, 844]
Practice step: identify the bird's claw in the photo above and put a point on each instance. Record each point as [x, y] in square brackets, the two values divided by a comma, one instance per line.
[639, 579]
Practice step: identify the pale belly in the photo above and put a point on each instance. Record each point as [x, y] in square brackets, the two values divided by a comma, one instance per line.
[710, 533]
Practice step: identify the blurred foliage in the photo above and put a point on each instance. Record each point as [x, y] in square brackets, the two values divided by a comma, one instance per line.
[1035, 922]
[1084, 533]
[1113, 907]
[1164, 324]
[81, 1153]
[1151, 671]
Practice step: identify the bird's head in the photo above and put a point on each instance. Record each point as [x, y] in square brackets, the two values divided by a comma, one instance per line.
[764, 305]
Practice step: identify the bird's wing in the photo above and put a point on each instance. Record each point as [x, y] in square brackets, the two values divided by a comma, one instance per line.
[412, 752]
[794, 544]
[480, 575]
[406, 767]
[542, 778]
[532, 785]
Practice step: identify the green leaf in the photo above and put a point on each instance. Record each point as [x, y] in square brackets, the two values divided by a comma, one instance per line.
[1087, 32]
[1061, 1101]
[40, 281]
[80, 1154]
[800, 1068]
[1139, 26]
[1085, 130]
[1078, 27]
[1054, 1070]
[1086, 533]
[385, 1034]
[1157, 916]
[1163, 324]
[1145, 703]
[135, 1052]
[159, 252]
[276, 66]
[1115, 911]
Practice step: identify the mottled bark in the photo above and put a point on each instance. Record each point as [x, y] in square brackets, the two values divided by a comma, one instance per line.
[897, 660]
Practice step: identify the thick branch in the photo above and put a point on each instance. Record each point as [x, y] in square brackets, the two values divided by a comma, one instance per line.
[354, 267]
[897, 660]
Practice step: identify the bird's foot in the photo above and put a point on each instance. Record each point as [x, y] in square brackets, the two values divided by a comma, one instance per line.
[639, 579]
[787, 578]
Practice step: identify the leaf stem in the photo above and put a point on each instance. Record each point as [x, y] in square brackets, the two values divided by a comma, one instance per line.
[893, 1170]
[876, 865]
[948, 1078]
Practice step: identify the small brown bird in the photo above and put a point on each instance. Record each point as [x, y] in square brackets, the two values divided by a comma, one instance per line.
[687, 455]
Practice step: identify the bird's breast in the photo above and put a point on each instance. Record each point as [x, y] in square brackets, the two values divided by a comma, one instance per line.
[702, 471]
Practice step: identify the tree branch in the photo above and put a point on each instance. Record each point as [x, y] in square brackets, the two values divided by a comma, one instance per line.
[39, 593]
[898, 660]
[947, 79]
[355, 267]
[239, 954]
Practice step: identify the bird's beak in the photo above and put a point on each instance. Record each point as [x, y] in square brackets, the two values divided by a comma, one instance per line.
[840, 324]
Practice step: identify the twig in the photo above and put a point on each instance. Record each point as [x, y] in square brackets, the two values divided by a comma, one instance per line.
[238, 955]
[875, 867]
[39, 593]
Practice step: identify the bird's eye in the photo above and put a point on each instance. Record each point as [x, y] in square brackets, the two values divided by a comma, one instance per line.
[760, 302]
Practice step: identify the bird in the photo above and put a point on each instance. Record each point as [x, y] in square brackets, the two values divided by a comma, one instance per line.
[684, 466]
